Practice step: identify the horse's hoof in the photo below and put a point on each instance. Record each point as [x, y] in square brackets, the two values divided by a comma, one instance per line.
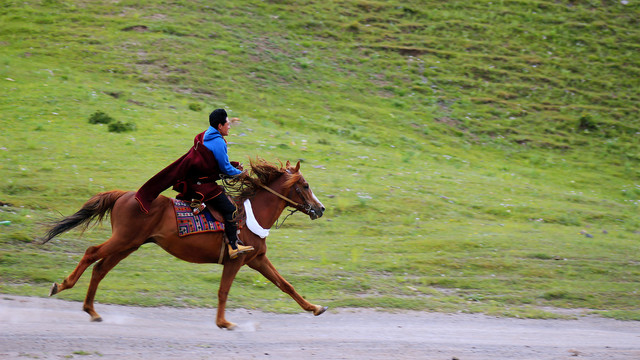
[96, 319]
[54, 289]
[320, 310]
[227, 325]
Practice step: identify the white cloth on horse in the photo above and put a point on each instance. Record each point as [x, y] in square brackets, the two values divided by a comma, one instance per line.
[252, 223]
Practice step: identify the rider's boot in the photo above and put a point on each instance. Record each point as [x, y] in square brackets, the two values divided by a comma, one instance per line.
[240, 249]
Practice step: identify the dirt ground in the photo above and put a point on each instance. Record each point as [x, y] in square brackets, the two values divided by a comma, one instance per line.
[48, 328]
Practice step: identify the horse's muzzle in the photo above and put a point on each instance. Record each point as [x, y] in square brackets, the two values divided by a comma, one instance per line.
[315, 214]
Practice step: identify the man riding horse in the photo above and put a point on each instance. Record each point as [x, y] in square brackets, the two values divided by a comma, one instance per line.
[194, 176]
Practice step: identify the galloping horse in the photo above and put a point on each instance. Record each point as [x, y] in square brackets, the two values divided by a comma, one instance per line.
[270, 189]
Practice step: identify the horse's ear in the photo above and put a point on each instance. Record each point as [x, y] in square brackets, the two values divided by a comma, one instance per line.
[288, 164]
[297, 166]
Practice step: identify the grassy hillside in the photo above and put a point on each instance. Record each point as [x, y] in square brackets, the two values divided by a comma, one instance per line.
[473, 156]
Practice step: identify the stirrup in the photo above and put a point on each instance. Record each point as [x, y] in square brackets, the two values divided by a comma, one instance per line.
[240, 250]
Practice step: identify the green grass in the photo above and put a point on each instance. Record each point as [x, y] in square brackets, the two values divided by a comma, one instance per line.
[472, 156]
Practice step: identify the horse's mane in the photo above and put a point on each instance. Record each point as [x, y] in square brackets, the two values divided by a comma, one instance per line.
[261, 173]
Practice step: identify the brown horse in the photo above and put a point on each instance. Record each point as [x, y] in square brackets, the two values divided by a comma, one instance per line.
[270, 190]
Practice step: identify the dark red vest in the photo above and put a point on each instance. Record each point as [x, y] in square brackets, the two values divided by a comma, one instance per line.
[193, 175]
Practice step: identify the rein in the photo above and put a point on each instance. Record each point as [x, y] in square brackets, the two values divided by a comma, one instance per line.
[297, 206]
[305, 208]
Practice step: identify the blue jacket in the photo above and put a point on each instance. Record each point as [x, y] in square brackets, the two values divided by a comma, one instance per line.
[214, 141]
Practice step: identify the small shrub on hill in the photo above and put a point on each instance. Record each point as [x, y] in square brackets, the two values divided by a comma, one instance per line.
[195, 107]
[120, 126]
[586, 122]
[100, 117]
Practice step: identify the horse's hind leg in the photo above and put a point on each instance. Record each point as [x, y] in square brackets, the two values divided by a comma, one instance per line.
[90, 256]
[114, 245]
[100, 270]
[266, 268]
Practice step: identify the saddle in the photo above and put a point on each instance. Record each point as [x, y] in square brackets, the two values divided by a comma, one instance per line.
[195, 217]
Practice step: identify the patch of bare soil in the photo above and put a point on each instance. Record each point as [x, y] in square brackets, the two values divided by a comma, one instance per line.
[48, 328]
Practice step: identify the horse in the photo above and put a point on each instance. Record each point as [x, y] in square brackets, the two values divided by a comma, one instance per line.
[269, 188]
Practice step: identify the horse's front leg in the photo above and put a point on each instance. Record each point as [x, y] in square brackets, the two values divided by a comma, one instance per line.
[229, 272]
[266, 268]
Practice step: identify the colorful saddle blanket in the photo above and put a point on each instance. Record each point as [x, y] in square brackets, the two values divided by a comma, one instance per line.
[188, 223]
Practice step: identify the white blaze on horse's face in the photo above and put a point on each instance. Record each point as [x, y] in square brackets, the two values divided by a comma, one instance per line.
[317, 209]
[317, 200]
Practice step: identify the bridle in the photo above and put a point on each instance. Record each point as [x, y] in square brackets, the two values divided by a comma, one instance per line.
[305, 208]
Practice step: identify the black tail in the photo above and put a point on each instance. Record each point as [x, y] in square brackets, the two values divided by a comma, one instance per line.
[96, 208]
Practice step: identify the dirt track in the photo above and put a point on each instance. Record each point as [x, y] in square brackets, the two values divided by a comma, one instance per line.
[47, 328]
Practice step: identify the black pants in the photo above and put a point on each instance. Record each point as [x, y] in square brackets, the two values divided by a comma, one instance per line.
[228, 210]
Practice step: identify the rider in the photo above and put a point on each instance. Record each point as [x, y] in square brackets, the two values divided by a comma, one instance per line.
[194, 176]
[215, 142]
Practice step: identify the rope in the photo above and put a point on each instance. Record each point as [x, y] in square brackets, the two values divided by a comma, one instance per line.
[295, 204]
[285, 218]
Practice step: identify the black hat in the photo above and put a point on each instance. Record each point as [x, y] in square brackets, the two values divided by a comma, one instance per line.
[218, 116]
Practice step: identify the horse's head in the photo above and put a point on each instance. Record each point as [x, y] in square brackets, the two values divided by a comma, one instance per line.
[300, 192]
